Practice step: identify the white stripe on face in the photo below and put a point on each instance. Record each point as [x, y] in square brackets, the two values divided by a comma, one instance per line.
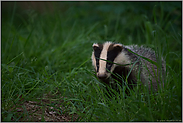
[93, 60]
[120, 59]
[93, 57]
[102, 63]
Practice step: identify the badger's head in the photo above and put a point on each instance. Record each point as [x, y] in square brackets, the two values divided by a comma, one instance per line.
[105, 55]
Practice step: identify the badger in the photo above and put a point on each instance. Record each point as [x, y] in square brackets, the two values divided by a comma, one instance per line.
[129, 64]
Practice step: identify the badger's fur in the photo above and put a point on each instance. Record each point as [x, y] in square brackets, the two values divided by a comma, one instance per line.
[112, 60]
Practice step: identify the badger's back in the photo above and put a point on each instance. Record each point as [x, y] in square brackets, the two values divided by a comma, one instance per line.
[113, 59]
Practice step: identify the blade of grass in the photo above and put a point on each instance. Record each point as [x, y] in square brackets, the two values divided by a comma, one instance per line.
[14, 58]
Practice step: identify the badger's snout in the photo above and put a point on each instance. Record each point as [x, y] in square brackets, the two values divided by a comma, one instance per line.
[102, 76]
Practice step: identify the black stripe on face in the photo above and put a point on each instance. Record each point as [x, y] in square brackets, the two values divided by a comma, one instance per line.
[97, 51]
[112, 53]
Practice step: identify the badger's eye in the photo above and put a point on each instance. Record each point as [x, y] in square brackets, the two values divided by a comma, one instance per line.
[109, 65]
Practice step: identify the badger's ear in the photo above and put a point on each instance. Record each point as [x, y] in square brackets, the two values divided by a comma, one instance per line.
[95, 46]
[118, 47]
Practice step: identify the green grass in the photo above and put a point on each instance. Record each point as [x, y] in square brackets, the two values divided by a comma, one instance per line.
[46, 58]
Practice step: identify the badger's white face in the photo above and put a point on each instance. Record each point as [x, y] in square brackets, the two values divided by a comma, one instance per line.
[108, 51]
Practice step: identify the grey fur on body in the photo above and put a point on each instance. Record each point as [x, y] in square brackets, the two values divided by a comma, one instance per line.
[148, 69]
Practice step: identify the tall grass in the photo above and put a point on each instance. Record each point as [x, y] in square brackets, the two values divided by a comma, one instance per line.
[49, 54]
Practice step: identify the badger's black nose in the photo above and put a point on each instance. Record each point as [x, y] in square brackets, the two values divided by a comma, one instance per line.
[102, 76]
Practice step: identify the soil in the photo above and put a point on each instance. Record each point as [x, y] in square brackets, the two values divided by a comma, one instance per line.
[43, 110]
